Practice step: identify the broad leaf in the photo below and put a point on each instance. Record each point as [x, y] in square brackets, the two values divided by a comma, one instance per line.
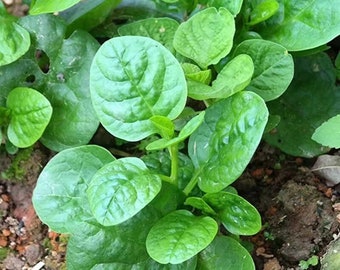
[15, 40]
[50, 6]
[274, 67]
[133, 79]
[224, 143]
[206, 37]
[30, 113]
[200, 204]
[179, 236]
[328, 134]
[159, 29]
[303, 107]
[263, 11]
[233, 6]
[121, 189]
[65, 85]
[237, 215]
[187, 130]
[59, 197]
[297, 24]
[225, 253]
[92, 244]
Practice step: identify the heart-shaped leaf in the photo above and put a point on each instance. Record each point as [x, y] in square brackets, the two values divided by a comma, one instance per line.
[121, 189]
[274, 67]
[206, 37]
[237, 215]
[30, 113]
[59, 197]
[133, 79]
[224, 143]
[179, 236]
[214, 256]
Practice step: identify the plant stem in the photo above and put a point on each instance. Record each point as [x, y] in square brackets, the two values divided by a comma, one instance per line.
[173, 150]
[193, 182]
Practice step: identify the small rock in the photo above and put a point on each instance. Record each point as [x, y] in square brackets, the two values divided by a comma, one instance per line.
[13, 263]
[33, 254]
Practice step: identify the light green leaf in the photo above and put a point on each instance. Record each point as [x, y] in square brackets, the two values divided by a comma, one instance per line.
[121, 189]
[92, 244]
[133, 79]
[263, 11]
[159, 29]
[224, 143]
[30, 114]
[225, 253]
[179, 236]
[59, 197]
[304, 24]
[49, 6]
[237, 215]
[193, 72]
[206, 37]
[198, 90]
[274, 67]
[234, 6]
[187, 130]
[200, 204]
[328, 134]
[15, 41]
[303, 107]
[165, 126]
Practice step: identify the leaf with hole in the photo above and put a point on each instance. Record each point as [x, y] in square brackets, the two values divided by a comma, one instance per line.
[120, 189]
[133, 79]
[179, 236]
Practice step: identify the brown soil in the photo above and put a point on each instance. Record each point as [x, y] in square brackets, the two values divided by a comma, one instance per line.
[296, 207]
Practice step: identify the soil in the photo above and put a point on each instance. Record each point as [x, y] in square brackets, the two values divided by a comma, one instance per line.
[297, 209]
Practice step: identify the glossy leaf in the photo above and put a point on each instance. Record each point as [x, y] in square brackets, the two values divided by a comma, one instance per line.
[50, 6]
[233, 6]
[66, 85]
[133, 79]
[328, 134]
[200, 204]
[297, 24]
[206, 37]
[92, 244]
[187, 130]
[224, 143]
[30, 113]
[263, 11]
[121, 189]
[15, 40]
[214, 256]
[303, 107]
[237, 215]
[159, 29]
[179, 236]
[274, 67]
[62, 186]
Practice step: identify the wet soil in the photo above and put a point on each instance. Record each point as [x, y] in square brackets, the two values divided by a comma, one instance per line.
[296, 206]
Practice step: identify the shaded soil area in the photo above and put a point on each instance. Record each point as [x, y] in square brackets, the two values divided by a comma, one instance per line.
[299, 219]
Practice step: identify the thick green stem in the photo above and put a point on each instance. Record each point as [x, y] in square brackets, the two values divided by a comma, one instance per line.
[193, 182]
[173, 149]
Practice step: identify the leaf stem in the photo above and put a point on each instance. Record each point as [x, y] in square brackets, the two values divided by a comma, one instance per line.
[173, 150]
[192, 183]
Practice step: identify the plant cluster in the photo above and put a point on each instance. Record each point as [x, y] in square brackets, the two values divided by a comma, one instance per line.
[256, 66]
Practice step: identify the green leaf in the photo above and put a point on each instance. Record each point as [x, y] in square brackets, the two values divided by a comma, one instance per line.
[121, 189]
[165, 126]
[15, 41]
[206, 37]
[328, 134]
[65, 85]
[297, 24]
[200, 204]
[59, 197]
[263, 11]
[237, 215]
[159, 29]
[233, 6]
[224, 143]
[214, 256]
[304, 107]
[49, 6]
[274, 67]
[179, 236]
[92, 244]
[30, 114]
[193, 72]
[133, 79]
[187, 130]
